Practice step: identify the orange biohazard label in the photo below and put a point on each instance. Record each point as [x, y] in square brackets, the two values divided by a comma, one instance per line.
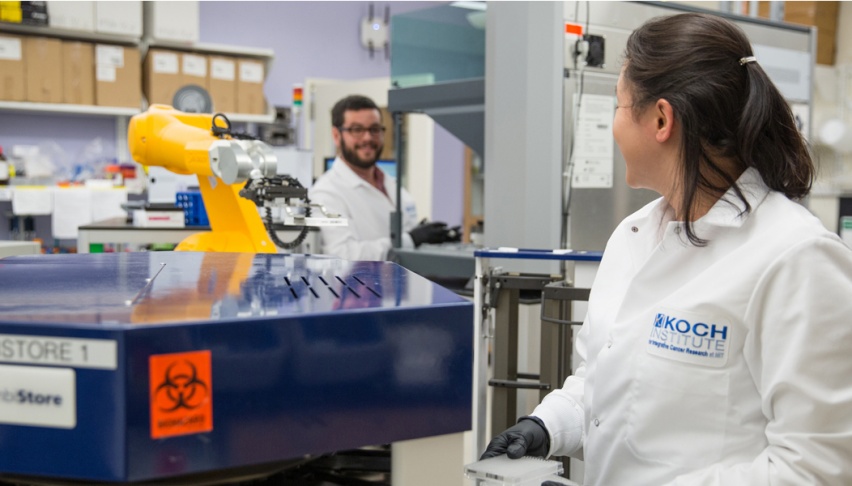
[181, 394]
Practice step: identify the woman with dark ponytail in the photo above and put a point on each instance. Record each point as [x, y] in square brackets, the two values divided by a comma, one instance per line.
[717, 347]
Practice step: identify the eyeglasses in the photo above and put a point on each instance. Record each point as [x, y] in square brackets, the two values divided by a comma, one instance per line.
[358, 131]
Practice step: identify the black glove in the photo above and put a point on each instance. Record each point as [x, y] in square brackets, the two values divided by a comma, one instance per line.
[434, 232]
[528, 437]
[454, 234]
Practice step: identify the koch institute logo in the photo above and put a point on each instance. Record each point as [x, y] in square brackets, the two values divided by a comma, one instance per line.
[690, 337]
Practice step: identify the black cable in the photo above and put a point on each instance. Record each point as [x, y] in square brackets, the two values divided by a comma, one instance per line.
[242, 136]
[278, 241]
[268, 222]
[218, 131]
[227, 130]
[566, 209]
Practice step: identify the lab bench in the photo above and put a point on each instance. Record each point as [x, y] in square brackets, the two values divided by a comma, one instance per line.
[119, 230]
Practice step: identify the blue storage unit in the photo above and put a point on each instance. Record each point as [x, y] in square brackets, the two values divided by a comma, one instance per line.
[193, 208]
[142, 366]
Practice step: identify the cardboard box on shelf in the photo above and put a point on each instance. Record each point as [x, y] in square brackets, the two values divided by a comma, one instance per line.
[223, 83]
[78, 73]
[162, 76]
[12, 73]
[122, 18]
[72, 15]
[118, 77]
[173, 21]
[43, 65]
[822, 15]
[193, 70]
[250, 97]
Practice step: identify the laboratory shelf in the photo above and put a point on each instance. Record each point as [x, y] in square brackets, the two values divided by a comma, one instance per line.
[246, 118]
[71, 109]
[46, 31]
[261, 54]
[206, 48]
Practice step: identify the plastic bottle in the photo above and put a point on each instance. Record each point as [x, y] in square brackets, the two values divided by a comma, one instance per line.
[5, 173]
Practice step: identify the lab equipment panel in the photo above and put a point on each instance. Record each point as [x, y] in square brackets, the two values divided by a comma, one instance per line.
[146, 366]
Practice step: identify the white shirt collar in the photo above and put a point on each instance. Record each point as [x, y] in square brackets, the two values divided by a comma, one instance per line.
[730, 209]
[351, 179]
[727, 211]
[347, 174]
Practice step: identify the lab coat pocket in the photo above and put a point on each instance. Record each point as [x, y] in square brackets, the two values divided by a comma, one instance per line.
[677, 412]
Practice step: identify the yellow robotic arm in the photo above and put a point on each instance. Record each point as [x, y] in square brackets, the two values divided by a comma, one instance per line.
[185, 143]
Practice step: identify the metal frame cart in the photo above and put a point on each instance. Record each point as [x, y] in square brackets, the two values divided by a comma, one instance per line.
[496, 297]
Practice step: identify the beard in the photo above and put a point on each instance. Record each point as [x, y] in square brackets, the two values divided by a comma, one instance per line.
[350, 154]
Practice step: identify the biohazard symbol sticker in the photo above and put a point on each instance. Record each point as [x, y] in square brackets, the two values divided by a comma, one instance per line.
[181, 394]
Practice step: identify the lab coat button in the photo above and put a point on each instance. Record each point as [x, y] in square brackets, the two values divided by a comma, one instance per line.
[609, 344]
[597, 422]
[634, 229]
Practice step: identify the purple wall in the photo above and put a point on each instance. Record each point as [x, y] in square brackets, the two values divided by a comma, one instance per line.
[323, 40]
[310, 39]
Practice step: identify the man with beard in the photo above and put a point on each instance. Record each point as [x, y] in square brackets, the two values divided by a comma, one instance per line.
[359, 191]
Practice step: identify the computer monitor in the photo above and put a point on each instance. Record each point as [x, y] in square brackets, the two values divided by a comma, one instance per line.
[387, 166]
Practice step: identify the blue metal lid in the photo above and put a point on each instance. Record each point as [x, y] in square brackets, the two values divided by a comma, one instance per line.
[174, 287]
[532, 254]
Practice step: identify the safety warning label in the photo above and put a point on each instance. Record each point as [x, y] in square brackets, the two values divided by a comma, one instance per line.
[181, 394]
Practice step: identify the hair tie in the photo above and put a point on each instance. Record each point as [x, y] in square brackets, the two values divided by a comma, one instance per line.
[746, 60]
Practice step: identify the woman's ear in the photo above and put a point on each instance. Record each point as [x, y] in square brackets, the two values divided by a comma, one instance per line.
[664, 119]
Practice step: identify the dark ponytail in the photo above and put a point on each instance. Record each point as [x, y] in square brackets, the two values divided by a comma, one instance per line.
[769, 139]
[728, 109]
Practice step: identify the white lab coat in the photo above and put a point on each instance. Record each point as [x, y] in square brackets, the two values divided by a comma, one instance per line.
[724, 365]
[367, 209]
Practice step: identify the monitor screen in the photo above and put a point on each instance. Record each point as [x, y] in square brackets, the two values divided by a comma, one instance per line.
[387, 166]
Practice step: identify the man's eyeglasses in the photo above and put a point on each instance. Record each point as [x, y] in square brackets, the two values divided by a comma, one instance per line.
[359, 131]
